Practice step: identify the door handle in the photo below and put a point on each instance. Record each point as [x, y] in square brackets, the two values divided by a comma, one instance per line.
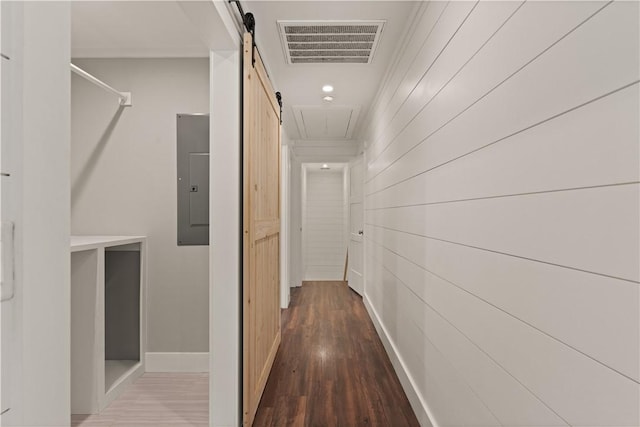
[360, 232]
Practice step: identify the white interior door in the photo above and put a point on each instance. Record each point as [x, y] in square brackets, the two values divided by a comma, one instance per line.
[356, 226]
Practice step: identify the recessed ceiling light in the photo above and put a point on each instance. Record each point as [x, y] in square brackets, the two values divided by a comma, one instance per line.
[328, 98]
[325, 166]
[327, 88]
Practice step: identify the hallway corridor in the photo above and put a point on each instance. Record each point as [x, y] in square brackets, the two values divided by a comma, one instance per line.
[331, 368]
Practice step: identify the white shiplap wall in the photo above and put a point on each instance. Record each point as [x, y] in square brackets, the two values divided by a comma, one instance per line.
[502, 214]
[324, 225]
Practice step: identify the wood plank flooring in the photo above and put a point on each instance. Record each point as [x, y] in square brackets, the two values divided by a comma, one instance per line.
[331, 368]
[156, 399]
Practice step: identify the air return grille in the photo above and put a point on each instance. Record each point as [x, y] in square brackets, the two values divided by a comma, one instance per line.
[330, 42]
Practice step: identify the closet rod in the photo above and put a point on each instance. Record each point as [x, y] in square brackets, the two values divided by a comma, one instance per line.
[125, 97]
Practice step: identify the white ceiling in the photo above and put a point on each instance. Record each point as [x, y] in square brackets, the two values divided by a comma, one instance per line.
[301, 84]
[133, 29]
[160, 29]
[318, 167]
[323, 123]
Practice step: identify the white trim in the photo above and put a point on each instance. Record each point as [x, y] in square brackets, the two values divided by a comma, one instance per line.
[225, 259]
[420, 407]
[177, 362]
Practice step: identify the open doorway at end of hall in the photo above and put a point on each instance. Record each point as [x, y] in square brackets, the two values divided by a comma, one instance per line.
[325, 220]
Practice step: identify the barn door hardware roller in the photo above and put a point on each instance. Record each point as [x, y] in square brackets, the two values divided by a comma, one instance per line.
[249, 22]
[279, 98]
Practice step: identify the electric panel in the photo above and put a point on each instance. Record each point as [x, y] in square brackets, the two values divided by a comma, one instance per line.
[193, 179]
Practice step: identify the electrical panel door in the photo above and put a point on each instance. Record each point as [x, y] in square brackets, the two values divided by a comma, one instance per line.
[193, 179]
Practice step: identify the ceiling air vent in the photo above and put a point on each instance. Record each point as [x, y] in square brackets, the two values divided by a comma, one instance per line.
[330, 42]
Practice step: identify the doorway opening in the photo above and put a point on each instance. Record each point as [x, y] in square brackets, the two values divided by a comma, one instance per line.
[139, 170]
[325, 220]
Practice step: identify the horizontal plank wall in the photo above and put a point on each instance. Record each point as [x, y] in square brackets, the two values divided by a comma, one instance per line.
[325, 247]
[502, 214]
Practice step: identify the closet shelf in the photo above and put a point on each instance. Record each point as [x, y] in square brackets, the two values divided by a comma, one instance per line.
[108, 291]
[84, 243]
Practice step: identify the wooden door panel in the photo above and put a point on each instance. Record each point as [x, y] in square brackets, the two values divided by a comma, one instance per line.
[261, 227]
[265, 314]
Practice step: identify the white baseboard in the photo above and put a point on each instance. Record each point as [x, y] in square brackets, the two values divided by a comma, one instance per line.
[416, 400]
[177, 362]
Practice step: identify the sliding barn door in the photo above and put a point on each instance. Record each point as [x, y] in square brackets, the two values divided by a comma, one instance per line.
[261, 227]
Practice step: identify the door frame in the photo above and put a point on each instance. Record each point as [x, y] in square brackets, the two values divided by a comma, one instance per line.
[305, 170]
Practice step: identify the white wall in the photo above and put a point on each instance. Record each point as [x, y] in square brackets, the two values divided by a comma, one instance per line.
[226, 236]
[36, 197]
[324, 225]
[502, 210]
[123, 177]
[315, 151]
[295, 210]
[346, 226]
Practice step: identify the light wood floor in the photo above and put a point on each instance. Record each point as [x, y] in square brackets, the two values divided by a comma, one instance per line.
[156, 399]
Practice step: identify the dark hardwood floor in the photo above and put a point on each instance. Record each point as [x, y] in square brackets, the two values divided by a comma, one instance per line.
[331, 368]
